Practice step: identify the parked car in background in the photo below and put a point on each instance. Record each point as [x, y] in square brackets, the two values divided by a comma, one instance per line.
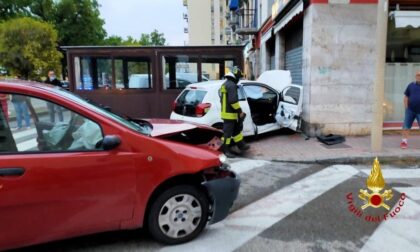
[271, 102]
[95, 171]
[139, 81]
[184, 79]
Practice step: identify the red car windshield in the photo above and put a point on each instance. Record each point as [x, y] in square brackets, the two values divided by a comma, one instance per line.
[144, 129]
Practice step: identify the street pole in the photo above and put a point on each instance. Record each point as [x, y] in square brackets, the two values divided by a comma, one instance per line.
[378, 89]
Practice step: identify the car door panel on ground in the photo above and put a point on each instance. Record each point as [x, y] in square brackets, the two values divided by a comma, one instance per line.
[75, 189]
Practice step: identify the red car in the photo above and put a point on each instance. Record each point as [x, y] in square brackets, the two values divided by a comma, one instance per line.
[79, 169]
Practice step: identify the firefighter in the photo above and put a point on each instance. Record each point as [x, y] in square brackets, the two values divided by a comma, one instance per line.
[232, 115]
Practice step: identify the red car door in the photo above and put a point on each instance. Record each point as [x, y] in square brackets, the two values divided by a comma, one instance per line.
[46, 195]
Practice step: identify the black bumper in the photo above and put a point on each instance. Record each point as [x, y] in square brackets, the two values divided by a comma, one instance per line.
[223, 192]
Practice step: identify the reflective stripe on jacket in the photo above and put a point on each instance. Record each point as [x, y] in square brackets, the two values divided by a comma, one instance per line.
[229, 101]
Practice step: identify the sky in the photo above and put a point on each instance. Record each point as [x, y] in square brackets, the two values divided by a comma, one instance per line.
[134, 17]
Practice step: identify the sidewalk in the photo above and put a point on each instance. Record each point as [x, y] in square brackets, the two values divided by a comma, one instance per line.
[294, 148]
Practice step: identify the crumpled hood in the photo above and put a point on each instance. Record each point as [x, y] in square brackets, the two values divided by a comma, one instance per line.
[188, 133]
[277, 79]
[166, 127]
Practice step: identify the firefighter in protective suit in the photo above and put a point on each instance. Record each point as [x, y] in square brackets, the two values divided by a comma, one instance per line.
[232, 115]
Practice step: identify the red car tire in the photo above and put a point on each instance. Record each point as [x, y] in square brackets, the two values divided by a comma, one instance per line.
[178, 215]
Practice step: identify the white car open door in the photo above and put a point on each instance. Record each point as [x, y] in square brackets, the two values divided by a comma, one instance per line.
[262, 103]
[290, 107]
[249, 127]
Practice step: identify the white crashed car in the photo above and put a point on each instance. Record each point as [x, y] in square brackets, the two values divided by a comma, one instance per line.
[271, 103]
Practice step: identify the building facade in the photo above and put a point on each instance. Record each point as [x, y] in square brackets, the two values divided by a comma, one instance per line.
[330, 46]
[206, 22]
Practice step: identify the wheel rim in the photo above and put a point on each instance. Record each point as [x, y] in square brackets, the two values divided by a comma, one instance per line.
[180, 216]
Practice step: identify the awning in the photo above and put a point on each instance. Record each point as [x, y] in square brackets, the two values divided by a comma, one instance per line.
[406, 18]
[266, 36]
[234, 5]
[298, 8]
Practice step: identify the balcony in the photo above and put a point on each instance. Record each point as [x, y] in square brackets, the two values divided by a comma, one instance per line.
[185, 16]
[185, 30]
[185, 2]
[246, 24]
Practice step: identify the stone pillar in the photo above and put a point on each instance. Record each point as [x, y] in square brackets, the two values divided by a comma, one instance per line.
[277, 51]
[280, 51]
[257, 64]
[306, 71]
[338, 68]
[264, 58]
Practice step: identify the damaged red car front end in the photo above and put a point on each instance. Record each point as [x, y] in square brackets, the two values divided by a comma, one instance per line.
[185, 132]
[104, 172]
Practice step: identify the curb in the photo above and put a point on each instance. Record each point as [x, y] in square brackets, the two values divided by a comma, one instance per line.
[367, 160]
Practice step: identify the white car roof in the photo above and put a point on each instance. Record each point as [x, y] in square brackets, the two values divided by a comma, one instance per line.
[277, 79]
[207, 85]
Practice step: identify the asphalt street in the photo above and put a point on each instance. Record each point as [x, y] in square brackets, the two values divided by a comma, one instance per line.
[293, 207]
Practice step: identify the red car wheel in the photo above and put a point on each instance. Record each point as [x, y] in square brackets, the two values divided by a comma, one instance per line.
[178, 215]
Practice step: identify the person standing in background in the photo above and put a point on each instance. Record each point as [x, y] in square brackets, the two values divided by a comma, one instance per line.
[22, 112]
[52, 80]
[412, 108]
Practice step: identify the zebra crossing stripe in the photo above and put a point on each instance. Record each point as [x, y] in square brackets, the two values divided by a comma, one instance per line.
[399, 233]
[27, 145]
[411, 192]
[22, 134]
[247, 165]
[397, 173]
[246, 223]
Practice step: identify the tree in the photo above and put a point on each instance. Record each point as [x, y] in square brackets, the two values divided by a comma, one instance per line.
[113, 40]
[152, 39]
[157, 38]
[14, 8]
[28, 47]
[79, 23]
[43, 9]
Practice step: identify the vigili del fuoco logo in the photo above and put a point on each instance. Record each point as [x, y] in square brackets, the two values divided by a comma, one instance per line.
[376, 196]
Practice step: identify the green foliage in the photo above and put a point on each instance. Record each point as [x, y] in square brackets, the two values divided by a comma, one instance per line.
[157, 38]
[43, 9]
[78, 21]
[28, 47]
[153, 39]
[113, 40]
[14, 8]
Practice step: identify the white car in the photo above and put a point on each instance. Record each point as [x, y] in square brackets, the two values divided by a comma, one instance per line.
[271, 103]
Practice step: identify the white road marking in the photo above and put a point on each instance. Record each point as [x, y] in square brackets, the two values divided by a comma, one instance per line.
[246, 223]
[411, 192]
[400, 233]
[398, 173]
[247, 165]
[27, 145]
[24, 133]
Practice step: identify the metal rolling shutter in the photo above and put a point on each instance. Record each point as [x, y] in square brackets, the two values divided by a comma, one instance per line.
[294, 64]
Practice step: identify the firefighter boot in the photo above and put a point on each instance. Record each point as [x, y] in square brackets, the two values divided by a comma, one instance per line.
[242, 145]
[227, 152]
[235, 150]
